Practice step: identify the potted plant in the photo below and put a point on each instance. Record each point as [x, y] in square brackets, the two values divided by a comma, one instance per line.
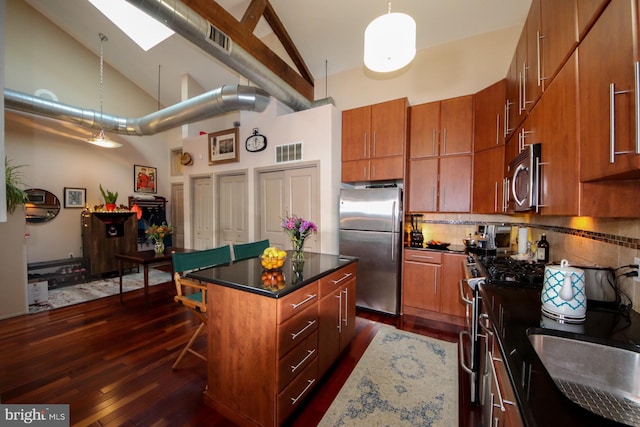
[109, 199]
[15, 195]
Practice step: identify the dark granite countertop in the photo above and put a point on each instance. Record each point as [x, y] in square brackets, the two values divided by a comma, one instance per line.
[457, 249]
[246, 275]
[514, 311]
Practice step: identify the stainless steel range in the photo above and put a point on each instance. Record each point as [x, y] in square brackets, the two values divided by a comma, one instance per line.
[497, 271]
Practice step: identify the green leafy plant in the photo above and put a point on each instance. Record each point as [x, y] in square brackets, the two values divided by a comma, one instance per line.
[109, 197]
[15, 195]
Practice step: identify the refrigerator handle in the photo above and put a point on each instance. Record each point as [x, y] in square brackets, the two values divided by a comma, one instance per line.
[393, 232]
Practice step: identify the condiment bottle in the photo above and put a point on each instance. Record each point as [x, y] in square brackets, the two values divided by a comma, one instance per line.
[542, 251]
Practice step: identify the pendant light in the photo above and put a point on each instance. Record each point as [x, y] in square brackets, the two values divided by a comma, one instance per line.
[100, 138]
[389, 42]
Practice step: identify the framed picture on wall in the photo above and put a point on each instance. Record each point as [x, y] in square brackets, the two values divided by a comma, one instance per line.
[223, 147]
[75, 197]
[144, 179]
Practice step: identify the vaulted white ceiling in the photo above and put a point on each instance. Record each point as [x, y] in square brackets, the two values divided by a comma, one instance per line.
[327, 33]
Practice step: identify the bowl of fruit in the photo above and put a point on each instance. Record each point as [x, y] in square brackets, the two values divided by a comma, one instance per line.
[272, 259]
[437, 244]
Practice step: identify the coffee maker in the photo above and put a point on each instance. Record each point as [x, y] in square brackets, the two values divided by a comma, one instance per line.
[417, 239]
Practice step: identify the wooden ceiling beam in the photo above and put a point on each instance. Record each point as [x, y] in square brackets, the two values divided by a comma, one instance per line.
[252, 14]
[241, 33]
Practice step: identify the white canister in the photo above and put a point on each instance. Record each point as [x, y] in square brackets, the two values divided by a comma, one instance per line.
[563, 293]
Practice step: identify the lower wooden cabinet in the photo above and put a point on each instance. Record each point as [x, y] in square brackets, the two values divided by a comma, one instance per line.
[105, 234]
[337, 311]
[430, 283]
[266, 354]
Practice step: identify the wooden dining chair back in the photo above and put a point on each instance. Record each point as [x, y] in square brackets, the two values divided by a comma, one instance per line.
[193, 294]
[249, 250]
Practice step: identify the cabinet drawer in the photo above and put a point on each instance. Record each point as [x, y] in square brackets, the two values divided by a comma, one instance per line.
[432, 257]
[297, 301]
[330, 282]
[296, 360]
[295, 330]
[297, 391]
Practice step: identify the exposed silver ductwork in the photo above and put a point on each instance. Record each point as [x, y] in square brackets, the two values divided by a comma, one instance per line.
[193, 27]
[218, 101]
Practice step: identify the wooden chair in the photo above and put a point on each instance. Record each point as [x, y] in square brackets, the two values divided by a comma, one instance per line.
[193, 294]
[249, 250]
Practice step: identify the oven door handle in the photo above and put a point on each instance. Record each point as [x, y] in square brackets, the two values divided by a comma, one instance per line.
[462, 296]
[463, 365]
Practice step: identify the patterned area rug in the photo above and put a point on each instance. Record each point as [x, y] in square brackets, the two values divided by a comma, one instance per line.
[75, 294]
[402, 379]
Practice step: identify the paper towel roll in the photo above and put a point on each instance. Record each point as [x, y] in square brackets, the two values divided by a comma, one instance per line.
[523, 238]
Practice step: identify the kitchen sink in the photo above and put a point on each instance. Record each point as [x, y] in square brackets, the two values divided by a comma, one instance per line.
[602, 378]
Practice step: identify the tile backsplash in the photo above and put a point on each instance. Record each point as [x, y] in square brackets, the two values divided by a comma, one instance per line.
[580, 240]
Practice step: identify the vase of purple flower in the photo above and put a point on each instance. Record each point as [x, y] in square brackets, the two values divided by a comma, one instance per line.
[298, 230]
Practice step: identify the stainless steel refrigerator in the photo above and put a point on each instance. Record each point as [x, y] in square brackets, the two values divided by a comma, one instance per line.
[371, 229]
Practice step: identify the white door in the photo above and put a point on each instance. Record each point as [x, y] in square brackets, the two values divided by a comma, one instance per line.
[177, 214]
[284, 193]
[233, 217]
[202, 199]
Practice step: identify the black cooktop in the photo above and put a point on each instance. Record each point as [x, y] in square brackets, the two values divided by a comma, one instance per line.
[505, 271]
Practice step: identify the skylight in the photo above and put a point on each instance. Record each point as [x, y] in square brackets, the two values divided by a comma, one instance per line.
[140, 27]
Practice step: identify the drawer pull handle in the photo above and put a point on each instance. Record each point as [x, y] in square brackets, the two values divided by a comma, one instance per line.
[310, 323]
[422, 256]
[309, 298]
[346, 276]
[309, 354]
[310, 383]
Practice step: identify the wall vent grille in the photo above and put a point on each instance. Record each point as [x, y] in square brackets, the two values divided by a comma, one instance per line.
[289, 152]
[219, 39]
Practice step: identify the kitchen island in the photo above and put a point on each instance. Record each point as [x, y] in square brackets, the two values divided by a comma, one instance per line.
[516, 311]
[269, 342]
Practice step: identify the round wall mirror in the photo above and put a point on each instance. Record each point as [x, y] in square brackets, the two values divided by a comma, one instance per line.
[42, 205]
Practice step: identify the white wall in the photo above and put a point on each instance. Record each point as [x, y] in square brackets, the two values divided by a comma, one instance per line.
[454, 69]
[319, 129]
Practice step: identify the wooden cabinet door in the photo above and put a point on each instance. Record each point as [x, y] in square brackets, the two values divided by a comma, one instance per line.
[386, 168]
[559, 32]
[420, 285]
[560, 145]
[511, 105]
[355, 171]
[607, 56]
[488, 116]
[328, 333]
[388, 128]
[488, 173]
[450, 301]
[423, 185]
[588, 11]
[531, 83]
[456, 125]
[424, 125]
[455, 184]
[348, 313]
[356, 125]
[521, 68]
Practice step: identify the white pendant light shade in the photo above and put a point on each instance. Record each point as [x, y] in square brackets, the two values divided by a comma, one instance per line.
[389, 42]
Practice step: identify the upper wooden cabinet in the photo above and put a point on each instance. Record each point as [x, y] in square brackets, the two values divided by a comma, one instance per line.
[488, 117]
[588, 11]
[441, 128]
[558, 35]
[608, 107]
[440, 184]
[374, 132]
[560, 187]
[488, 181]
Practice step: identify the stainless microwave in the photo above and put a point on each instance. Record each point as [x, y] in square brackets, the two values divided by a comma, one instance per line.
[524, 173]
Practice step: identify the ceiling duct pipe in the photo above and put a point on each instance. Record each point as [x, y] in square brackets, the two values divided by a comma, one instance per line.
[193, 27]
[222, 100]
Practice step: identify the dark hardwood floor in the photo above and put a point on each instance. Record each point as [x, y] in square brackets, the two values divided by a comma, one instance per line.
[112, 363]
